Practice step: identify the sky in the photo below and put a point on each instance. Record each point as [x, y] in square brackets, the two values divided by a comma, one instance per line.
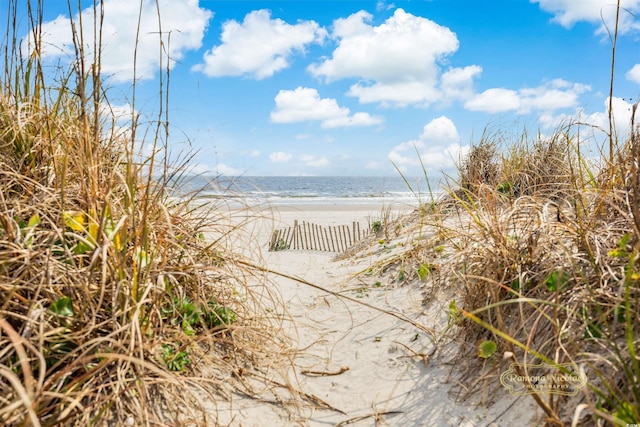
[356, 87]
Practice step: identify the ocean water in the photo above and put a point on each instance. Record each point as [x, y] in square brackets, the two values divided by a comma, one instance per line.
[283, 190]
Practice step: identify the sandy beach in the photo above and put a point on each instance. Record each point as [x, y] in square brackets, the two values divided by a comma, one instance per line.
[367, 367]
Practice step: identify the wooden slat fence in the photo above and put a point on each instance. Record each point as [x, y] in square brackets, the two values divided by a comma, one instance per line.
[314, 237]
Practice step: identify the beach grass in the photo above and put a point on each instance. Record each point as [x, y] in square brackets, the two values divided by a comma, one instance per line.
[537, 247]
[537, 244]
[114, 307]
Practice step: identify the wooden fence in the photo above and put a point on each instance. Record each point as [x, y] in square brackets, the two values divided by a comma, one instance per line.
[307, 236]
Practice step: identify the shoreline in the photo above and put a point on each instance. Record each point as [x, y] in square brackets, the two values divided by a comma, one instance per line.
[260, 220]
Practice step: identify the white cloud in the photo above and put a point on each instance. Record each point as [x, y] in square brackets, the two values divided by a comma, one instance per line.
[382, 5]
[121, 114]
[148, 149]
[549, 99]
[495, 100]
[599, 119]
[222, 169]
[568, 12]
[438, 146]
[313, 161]
[259, 46]
[384, 52]
[393, 61]
[183, 25]
[400, 93]
[357, 119]
[280, 157]
[634, 74]
[553, 95]
[305, 104]
[594, 128]
[621, 114]
[457, 83]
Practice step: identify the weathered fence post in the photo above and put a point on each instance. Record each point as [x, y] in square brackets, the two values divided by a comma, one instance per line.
[308, 236]
[274, 239]
[345, 237]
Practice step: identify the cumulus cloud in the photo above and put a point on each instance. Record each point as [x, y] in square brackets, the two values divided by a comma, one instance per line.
[400, 93]
[259, 46]
[457, 83]
[598, 120]
[314, 161]
[304, 104]
[438, 146]
[553, 95]
[599, 12]
[494, 100]
[392, 60]
[183, 25]
[557, 94]
[280, 157]
[119, 114]
[634, 74]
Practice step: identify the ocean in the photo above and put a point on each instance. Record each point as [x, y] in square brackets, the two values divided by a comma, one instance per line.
[290, 190]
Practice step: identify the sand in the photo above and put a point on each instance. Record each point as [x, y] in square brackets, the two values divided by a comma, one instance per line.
[370, 367]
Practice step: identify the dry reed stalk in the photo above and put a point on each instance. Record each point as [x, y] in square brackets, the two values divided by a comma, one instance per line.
[109, 290]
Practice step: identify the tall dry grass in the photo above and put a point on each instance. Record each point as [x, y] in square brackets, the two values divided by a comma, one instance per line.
[114, 305]
[537, 243]
[549, 265]
[539, 250]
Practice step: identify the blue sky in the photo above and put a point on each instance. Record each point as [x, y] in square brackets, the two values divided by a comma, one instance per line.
[348, 87]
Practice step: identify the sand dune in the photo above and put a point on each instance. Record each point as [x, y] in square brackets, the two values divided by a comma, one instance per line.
[366, 367]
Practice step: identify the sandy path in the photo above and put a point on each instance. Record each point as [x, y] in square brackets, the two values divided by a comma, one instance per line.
[381, 376]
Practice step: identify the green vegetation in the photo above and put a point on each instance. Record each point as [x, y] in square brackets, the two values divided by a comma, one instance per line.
[281, 245]
[108, 289]
[544, 267]
[176, 360]
[487, 349]
[423, 271]
[542, 240]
